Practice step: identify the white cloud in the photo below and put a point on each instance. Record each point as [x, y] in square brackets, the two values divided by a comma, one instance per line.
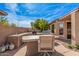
[29, 6]
[21, 21]
[11, 6]
[11, 18]
[25, 23]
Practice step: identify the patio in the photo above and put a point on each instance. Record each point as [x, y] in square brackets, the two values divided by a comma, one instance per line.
[65, 31]
[29, 48]
[26, 44]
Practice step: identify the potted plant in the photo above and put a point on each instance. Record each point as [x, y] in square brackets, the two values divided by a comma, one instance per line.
[11, 46]
[2, 48]
[77, 46]
[7, 45]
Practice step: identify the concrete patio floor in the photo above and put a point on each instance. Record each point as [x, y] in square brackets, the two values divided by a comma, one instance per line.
[60, 50]
[65, 51]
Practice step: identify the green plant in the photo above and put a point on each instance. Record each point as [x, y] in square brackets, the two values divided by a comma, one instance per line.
[40, 24]
[13, 25]
[70, 46]
[32, 25]
[77, 46]
[4, 21]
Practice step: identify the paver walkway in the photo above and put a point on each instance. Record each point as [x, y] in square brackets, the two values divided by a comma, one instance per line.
[65, 51]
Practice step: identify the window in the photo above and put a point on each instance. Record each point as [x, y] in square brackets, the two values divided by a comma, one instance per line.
[52, 28]
[61, 25]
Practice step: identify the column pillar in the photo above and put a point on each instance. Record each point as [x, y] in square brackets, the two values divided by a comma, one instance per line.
[75, 27]
[57, 28]
[65, 30]
[51, 27]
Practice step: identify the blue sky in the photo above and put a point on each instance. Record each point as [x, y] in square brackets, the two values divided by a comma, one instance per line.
[24, 14]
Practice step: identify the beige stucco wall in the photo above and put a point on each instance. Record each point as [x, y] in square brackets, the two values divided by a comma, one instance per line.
[51, 27]
[74, 19]
[75, 28]
[57, 28]
[65, 30]
[6, 31]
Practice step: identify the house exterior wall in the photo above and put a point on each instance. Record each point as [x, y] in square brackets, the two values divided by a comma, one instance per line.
[57, 25]
[65, 30]
[50, 26]
[75, 28]
[65, 26]
[57, 28]
[73, 34]
[2, 13]
[74, 19]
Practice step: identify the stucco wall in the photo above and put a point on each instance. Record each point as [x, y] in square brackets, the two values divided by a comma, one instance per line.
[6, 31]
[56, 28]
[75, 27]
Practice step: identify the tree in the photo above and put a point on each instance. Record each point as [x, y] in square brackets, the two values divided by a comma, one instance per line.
[40, 24]
[13, 25]
[32, 25]
[4, 21]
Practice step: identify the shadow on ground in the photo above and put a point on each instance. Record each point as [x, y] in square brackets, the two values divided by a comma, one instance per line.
[50, 54]
[56, 44]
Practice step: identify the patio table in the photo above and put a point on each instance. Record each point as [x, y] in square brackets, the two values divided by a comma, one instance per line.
[16, 39]
[21, 34]
[32, 38]
[32, 43]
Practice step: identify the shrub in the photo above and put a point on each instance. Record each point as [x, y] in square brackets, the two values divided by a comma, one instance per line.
[4, 21]
[70, 46]
[40, 24]
[77, 46]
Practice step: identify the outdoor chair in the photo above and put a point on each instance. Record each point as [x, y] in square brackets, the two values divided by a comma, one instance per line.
[46, 44]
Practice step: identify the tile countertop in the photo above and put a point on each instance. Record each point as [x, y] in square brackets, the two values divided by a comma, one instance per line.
[29, 37]
[19, 34]
[32, 37]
